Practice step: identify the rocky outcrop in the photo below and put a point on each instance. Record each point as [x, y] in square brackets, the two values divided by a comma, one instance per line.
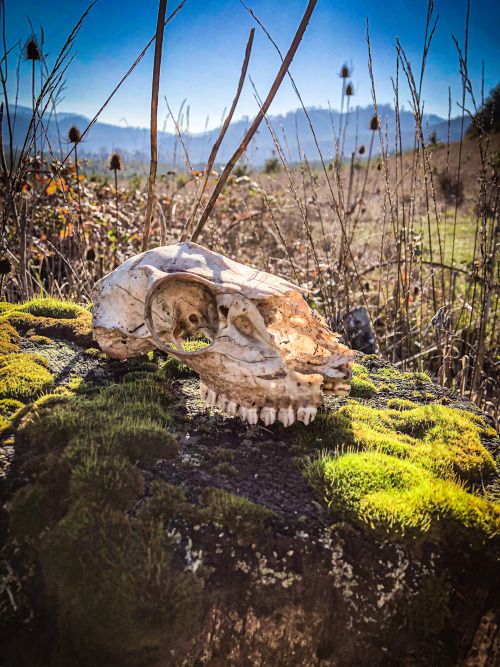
[142, 528]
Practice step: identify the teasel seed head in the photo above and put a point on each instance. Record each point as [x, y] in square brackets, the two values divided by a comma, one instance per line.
[31, 49]
[374, 123]
[362, 149]
[115, 162]
[349, 89]
[5, 266]
[74, 135]
[344, 71]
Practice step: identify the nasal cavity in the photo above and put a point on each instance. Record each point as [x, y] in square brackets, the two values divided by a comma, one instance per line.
[193, 318]
[224, 310]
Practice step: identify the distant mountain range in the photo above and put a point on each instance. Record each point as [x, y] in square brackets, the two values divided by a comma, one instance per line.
[133, 142]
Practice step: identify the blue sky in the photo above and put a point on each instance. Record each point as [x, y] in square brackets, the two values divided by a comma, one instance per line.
[204, 48]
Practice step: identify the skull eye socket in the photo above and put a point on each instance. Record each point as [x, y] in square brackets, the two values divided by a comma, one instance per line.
[244, 325]
[181, 307]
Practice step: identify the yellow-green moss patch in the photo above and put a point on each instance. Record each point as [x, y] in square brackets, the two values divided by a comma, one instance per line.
[8, 336]
[39, 340]
[75, 329]
[401, 499]
[125, 419]
[8, 406]
[438, 438]
[401, 404]
[362, 388]
[49, 307]
[24, 377]
[173, 368]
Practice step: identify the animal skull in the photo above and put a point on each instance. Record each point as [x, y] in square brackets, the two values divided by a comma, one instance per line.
[269, 355]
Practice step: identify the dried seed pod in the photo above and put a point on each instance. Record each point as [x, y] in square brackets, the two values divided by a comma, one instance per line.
[74, 135]
[362, 149]
[344, 71]
[115, 162]
[374, 123]
[349, 89]
[31, 49]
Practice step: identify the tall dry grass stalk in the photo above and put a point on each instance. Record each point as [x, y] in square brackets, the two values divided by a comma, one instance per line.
[162, 11]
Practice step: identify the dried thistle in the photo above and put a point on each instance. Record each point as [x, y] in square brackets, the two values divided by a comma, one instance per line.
[31, 50]
[344, 72]
[74, 135]
[362, 149]
[349, 89]
[115, 162]
[374, 123]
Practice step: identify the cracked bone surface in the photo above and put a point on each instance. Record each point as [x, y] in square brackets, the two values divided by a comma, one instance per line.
[270, 354]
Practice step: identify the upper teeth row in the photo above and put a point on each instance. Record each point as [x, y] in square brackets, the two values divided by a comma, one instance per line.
[268, 415]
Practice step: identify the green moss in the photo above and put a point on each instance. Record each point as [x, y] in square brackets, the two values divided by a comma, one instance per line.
[400, 499]
[166, 501]
[75, 329]
[358, 369]
[403, 471]
[361, 388]
[429, 610]
[115, 583]
[224, 454]
[112, 578]
[417, 378]
[39, 340]
[49, 307]
[239, 515]
[225, 468]
[176, 369]
[36, 507]
[438, 438]
[7, 337]
[24, 376]
[8, 406]
[103, 480]
[126, 419]
[95, 353]
[401, 404]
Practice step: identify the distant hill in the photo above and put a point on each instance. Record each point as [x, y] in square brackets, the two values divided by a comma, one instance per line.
[133, 142]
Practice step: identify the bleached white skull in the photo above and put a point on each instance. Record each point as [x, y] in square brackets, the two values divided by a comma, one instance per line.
[270, 356]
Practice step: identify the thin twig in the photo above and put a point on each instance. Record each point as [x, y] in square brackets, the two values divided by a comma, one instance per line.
[258, 119]
[215, 148]
[162, 10]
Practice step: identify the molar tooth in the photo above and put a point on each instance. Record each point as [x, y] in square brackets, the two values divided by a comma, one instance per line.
[268, 415]
[286, 416]
[232, 408]
[211, 398]
[242, 412]
[222, 402]
[203, 391]
[252, 415]
[306, 415]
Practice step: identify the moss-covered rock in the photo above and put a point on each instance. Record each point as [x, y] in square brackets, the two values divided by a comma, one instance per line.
[24, 377]
[147, 529]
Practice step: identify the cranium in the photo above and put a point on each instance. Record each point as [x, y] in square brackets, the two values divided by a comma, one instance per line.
[269, 355]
